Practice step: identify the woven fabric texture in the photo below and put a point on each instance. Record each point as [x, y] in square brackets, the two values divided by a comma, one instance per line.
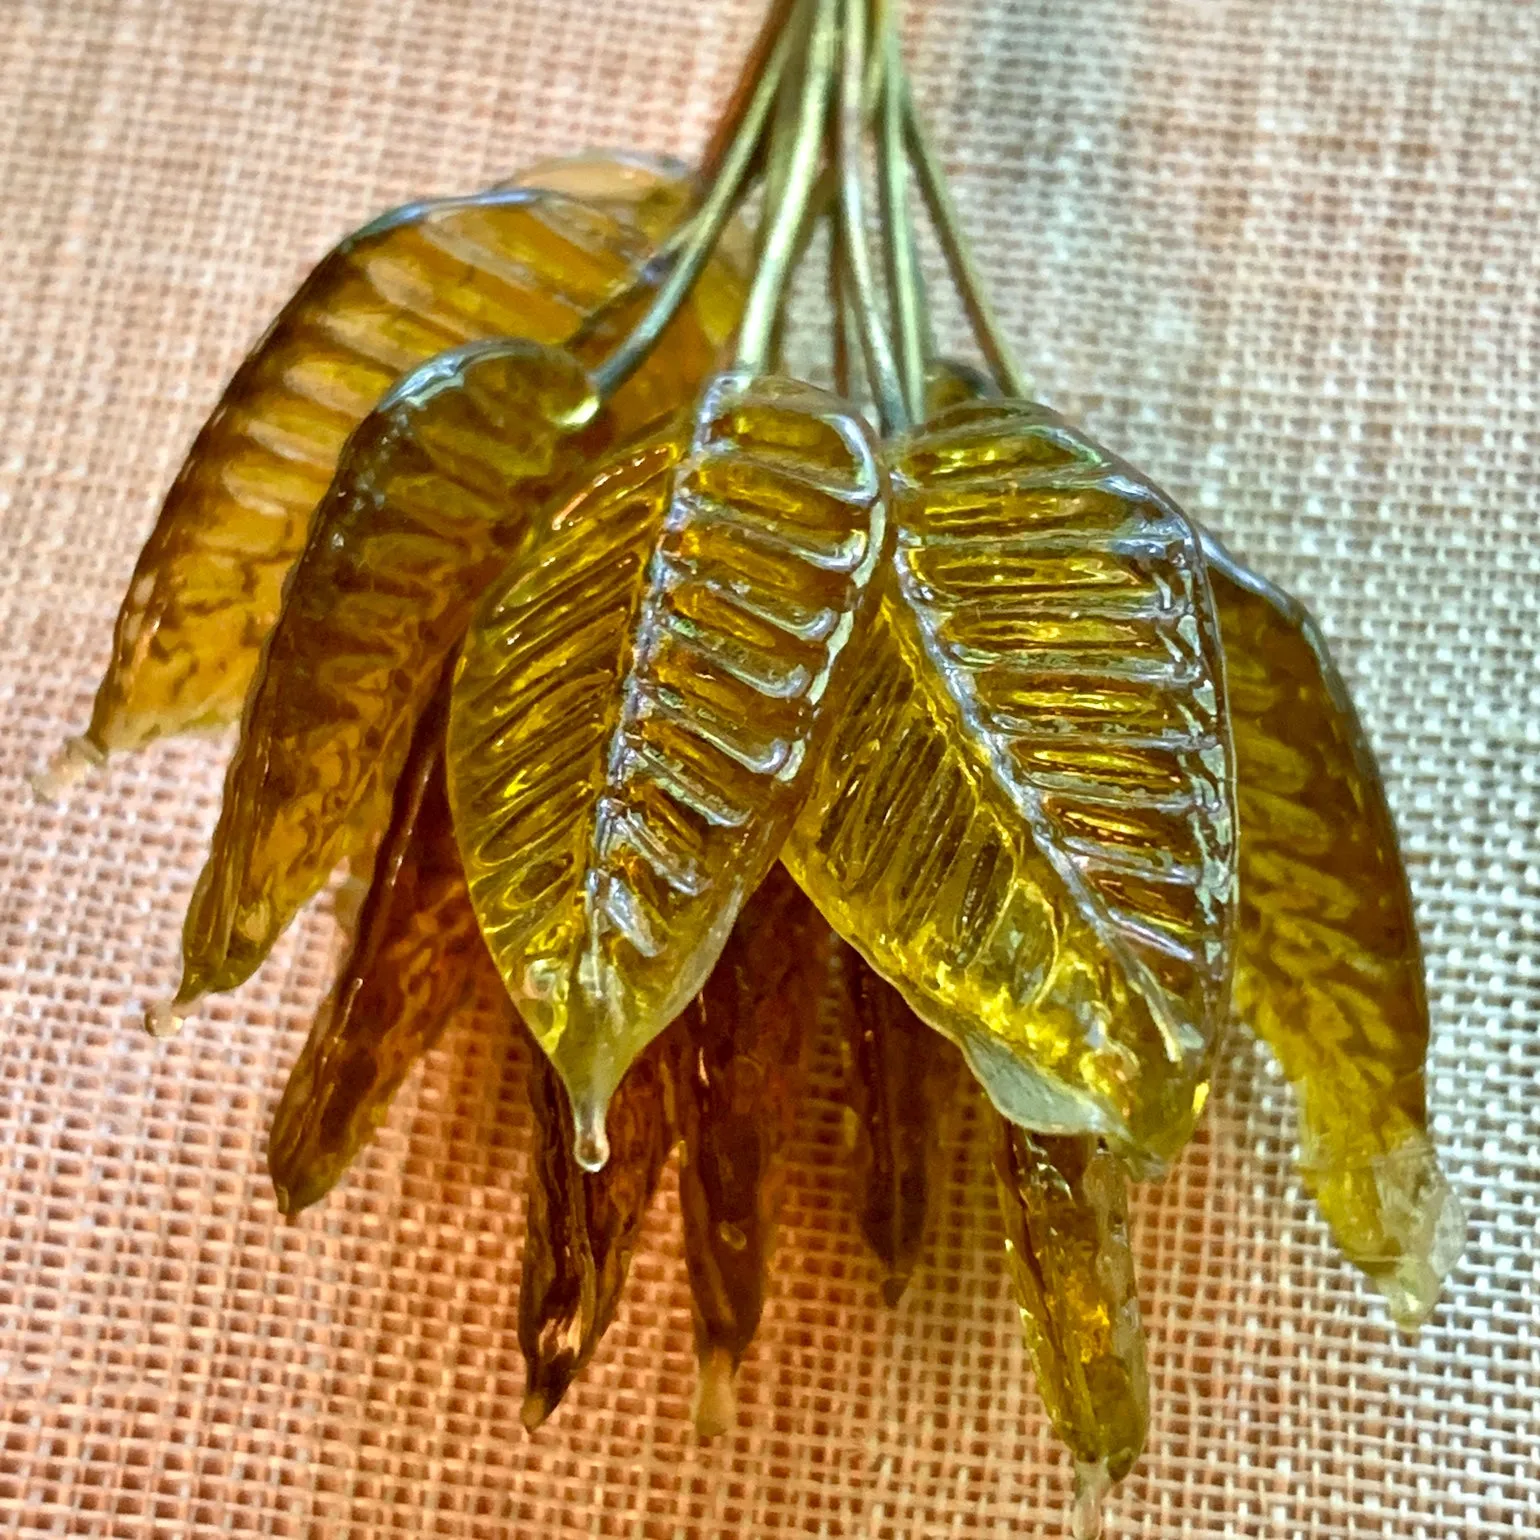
[1284, 256]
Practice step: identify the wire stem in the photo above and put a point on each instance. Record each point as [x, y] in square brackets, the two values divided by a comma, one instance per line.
[840, 336]
[782, 134]
[959, 257]
[776, 23]
[881, 369]
[878, 14]
[784, 223]
[906, 292]
[820, 202]
[687, 251]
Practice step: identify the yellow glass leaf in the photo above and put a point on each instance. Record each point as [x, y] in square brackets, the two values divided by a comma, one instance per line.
[1024, 817]
[433, 493]
[745, 1043]
[1065, 1206]
[900, 1078]
[581, 1227]
[637, 700]
[428, 277]
[1328, 967]
[415, 962]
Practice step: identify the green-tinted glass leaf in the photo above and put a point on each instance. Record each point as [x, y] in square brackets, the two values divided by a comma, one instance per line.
[1024, 819]
[637, 702]
[1328, 967]
[1065, 1206]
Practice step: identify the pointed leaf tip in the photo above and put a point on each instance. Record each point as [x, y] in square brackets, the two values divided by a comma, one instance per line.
[715, 1406]
[581, 1229]
[1064, 1203]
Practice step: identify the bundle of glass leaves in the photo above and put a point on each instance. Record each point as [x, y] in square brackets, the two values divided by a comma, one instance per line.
[697, 713]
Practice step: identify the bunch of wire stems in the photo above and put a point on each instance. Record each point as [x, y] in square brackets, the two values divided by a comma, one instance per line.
[824, 109]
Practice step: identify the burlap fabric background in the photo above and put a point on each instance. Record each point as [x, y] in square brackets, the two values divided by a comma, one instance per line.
[1284, 255]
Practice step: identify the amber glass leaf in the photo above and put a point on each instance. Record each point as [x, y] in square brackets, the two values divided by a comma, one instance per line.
[1024, 817]
[435, 488]
[428, 277]
[745, 1054]
[415, 962]
[1328, 967]
[900, 1078]
[653, 193]
[635, 708]
[1065, 1206]
[950, 382]
[649, 192]
[581, 1227]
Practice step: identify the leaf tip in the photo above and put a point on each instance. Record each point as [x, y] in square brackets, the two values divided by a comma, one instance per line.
[534, 1410]
[297, 1186]
[75, 760]
[716, 1396]
[290, 1204]
[164, 1019]
[1433, 1229]
[591, 1146]
[1092, 1483]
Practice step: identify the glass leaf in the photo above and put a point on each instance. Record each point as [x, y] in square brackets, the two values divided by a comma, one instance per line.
[950, 382]
[1065, 1206]
[900, 1079]
[433, 492]
[431, 276]
[652, 192]
[745, 1051]
[1328, 967]
[647, 192]
[635, 706]
[415, 962]
[1024, 818]
[581, 1227]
